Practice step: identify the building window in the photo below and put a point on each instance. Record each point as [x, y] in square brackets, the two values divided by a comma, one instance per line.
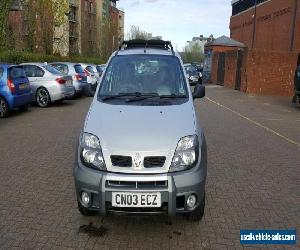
[243, 5]
[72, 14]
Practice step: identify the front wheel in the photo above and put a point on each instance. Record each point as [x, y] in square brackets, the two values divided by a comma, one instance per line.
[4, 108]
[198, 213]
[43, 98]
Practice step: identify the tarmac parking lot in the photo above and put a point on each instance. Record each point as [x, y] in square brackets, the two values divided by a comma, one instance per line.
[253, 179]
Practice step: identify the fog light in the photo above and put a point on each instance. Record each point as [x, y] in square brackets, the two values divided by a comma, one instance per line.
[191, 201]
[85, 198]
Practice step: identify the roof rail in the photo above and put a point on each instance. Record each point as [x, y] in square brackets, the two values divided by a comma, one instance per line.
[140, 43]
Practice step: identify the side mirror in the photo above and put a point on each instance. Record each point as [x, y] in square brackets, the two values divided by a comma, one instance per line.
[199, 91]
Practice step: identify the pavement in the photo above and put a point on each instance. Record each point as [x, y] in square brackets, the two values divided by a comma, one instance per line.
[253, 179]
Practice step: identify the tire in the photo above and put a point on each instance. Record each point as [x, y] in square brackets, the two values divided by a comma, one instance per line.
[4, 108]
[85, 211]
[43, 98]
[197, 214]
[88, 91]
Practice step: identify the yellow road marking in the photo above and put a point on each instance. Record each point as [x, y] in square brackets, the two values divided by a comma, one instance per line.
[256, 123]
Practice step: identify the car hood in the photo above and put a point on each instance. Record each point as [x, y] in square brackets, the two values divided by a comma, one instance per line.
[146, 130]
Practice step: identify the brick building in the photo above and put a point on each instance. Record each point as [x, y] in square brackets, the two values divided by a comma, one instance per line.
[31, 26]
[81, 32]
[223, 57]
[271, 31]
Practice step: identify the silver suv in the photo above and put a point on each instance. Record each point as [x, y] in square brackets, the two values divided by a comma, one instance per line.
[142, 150]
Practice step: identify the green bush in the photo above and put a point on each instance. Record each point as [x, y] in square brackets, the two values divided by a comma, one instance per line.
[16, 57]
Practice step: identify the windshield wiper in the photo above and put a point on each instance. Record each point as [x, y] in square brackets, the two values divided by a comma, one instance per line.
[173, 96]
[135, 95]
[142, 98]
[138, 96]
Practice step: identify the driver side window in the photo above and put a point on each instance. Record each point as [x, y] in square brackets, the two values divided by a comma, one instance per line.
[33, 71]
[39, 72]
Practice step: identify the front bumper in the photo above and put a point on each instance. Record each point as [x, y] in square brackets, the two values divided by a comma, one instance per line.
[174, 188]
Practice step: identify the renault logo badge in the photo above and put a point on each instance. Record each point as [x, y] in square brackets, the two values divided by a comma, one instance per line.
[138, 161]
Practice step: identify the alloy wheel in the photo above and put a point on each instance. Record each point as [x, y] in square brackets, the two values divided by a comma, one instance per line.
[3, 108]
[42, 97]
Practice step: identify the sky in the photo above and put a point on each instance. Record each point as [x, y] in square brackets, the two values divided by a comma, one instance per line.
[178, 20]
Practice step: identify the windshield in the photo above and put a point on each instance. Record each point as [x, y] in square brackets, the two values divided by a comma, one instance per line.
[90, 69]
[144, 74]
[61, 67]
[191, 69]
[16, 72]
[99, 69]
[78, 69]
[52, 70]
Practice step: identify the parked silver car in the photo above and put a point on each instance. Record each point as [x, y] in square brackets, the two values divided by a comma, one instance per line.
[76, 71]
[101, 68]
[48, 84]
[142, 150]
[92, 79]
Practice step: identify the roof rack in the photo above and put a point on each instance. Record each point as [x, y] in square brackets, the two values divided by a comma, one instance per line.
[140, 43]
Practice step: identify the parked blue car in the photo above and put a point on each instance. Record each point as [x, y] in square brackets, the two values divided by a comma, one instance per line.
[15, 91]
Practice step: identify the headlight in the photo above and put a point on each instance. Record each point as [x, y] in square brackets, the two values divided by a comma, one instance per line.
[91, 153]
[186, 154]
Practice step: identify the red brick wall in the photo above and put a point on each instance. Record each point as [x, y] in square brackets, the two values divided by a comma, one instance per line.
[230, 69]
[214, 68]
[16, 27]
[241, 27]
[263, 72]
[270, 73]
[274, 27]
[244, 71]
[230, 65]
[223, 48]
[297, 29]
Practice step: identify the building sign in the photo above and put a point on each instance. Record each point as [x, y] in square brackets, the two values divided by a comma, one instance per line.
[263, 18]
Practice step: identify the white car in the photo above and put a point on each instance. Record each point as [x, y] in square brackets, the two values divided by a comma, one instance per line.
[92, 78]
[48, 84]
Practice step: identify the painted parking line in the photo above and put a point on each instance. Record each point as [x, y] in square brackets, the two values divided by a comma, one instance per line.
[255, 123]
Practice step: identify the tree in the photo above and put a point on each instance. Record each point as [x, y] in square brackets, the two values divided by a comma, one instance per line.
[136, 33]
[60, 10]
[109, 38]
[4, 11]
[192, 55]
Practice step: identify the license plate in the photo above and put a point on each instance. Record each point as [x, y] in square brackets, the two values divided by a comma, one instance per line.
[23, 86]
[136, 199]
[69, 83]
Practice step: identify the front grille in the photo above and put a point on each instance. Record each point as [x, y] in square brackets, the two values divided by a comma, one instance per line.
[137, 184]
[121, 161]
[154, 161]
